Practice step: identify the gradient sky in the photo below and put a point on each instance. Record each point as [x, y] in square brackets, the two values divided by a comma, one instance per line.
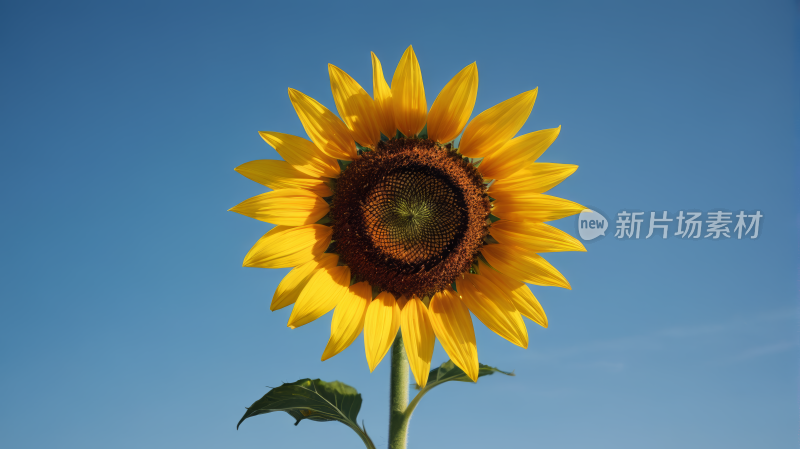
[128, 322]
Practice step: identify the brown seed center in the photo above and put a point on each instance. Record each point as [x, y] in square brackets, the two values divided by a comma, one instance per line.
[409, 217]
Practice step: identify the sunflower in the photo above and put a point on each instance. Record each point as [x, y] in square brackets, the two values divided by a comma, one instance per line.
[393, 227]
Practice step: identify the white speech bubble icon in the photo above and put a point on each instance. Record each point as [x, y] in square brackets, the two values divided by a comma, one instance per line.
[591, 224]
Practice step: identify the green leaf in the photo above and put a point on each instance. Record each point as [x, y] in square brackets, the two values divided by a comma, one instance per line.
[448, 371]
[315, 400]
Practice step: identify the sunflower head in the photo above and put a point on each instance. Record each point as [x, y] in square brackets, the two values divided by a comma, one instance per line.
[410, 216]
[410, 233]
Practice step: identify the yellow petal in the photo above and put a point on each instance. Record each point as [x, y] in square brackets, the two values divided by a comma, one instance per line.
[383, 99]
[355, 106]
[492, 128]
[281, 175]
[518, 292]
[293, 283]
[408, 95]
[493, 307]
[526, 206]
[323, 127]
[323, 292]
[535, 178]
[523, 265]
[535, 237]
[302, 154]
[288, 207]
[453, 327]
[348, 319]
[418, 338]
[380, 327]
[285, 246]
[453, 107]
[517, 153]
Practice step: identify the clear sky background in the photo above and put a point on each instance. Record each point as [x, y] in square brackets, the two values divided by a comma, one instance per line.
[127, 320]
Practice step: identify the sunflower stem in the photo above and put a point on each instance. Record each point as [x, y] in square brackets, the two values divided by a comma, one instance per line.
[398, 396]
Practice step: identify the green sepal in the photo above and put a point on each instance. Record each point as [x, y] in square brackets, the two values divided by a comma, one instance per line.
[376, 290]
[448, 371]
[476, 161]
[493, 218]
[343, 164]
[424, 133]
[384, 138]
[331, 247]
[331, 183]
[454, 287]
[489, 240]
[361, 149]
[325, 220]
[482, 258]
[399, 135]
[315, 400]
[426, 300]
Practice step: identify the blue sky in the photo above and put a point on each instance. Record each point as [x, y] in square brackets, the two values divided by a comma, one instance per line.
[127, 320]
